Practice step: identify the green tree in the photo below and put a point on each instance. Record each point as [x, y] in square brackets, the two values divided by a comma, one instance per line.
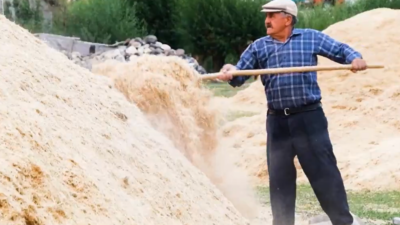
[217, 28]
[28, 14]
[158, 16]
[102, 21]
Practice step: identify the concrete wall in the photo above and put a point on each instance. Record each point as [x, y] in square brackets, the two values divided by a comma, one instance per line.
[2, 7]
[72, 44]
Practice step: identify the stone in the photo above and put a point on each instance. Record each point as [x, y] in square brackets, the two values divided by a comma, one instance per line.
[131, 50]
[146, 50]
[141, 50]
[396, 221]
[135, 43]
[113, 54]
[191, 61]
[139, 40]
[200, 69]
[170, 52]
[150, 39]
[180, 52]
[158, 44]
[165, 47]
[156, 51]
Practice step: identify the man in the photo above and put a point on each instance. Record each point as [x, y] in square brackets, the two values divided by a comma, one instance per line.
[296, 123]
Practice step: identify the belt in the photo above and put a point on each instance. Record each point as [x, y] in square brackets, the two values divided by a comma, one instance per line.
[288, 111]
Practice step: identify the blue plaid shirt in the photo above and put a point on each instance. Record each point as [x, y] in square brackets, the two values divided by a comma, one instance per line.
[301, 49]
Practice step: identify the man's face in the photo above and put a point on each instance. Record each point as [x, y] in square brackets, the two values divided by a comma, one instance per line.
[275, 22]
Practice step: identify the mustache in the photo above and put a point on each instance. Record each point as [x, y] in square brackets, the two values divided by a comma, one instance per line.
[268, 25]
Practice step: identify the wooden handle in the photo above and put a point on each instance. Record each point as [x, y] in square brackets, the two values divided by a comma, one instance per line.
[211, 76]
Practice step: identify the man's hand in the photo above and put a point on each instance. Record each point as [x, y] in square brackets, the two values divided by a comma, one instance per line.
[226, 75]
[358, 64]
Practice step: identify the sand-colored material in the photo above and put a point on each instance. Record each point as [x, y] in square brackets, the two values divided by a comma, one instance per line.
[75, 151]
[170, 94]
[362, 108]
[167, 90]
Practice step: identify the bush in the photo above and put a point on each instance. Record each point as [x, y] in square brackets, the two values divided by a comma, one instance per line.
[217, 28]
[215, 31]
[373, 4]
[28, 14]
[320, 17]
[102, 21]
[158, 16]
[221, 29]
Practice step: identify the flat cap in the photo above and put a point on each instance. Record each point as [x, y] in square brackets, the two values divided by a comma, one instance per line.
[287, 6]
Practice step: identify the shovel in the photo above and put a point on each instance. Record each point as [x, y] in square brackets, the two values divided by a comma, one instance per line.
[212, 76]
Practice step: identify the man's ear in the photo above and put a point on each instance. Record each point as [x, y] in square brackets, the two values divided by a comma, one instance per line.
[289, 20]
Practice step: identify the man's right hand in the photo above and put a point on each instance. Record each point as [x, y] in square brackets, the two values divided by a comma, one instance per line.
[226, 72]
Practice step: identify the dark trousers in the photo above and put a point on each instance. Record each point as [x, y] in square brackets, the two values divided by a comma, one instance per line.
[305, 135]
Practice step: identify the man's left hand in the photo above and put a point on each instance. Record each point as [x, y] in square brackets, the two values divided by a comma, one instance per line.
[358, 64]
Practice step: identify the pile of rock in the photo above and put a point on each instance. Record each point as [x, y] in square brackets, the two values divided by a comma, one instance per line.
[125, 51]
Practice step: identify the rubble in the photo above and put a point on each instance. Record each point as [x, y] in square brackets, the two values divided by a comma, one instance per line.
[126, 50]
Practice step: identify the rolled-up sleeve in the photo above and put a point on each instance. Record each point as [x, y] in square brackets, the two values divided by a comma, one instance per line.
[247, 61]
[336, 50]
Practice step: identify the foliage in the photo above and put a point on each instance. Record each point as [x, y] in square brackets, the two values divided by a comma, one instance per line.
[158, 18]
[372, 205]
[29, 15]
[221, 29]
[214, 31]
[217, 28]
[320, 17]
[101, 21]
[54, 2]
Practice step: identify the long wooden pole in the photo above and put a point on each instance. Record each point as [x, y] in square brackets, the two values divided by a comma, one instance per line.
[212, 76]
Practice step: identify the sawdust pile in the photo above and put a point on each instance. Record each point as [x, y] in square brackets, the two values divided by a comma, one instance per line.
[167, 90]
[362, 108]
[74, 151]
[170, 94]
[253, 97]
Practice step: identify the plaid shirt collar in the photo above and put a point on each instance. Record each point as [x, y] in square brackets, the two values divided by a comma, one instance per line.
[295, 32]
